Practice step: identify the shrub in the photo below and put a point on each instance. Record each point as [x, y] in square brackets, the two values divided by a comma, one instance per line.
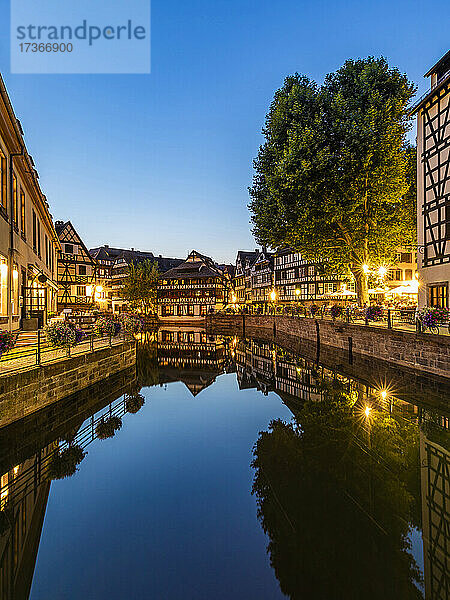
[374, 313]
[65, 462]
[335, 311]
[7, 341]
[61, 335]
[134, 403]
[131, 323]
[106, 325]
[107, 428]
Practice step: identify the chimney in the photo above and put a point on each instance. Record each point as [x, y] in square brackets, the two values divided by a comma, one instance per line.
[106, 245]
[160, 256]
[257, 250]
[132, 249]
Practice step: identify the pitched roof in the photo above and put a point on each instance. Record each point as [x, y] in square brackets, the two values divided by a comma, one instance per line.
[134, 256]
[196, 266]
[63, 226]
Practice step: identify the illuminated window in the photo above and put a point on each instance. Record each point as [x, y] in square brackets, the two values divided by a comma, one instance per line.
[15, 290]
[3, 176]
[439, 296]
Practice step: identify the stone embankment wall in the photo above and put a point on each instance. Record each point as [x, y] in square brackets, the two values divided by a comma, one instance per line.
[422, 352]
[24, 393]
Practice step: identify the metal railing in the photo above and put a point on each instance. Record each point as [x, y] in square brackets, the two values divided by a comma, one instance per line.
[389, 318]
[41, 353]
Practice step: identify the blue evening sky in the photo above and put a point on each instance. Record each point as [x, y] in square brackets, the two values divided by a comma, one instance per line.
[162, 162]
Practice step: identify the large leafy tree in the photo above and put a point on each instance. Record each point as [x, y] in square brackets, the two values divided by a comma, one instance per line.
[140, 286]
[334, 176]
[335, 498]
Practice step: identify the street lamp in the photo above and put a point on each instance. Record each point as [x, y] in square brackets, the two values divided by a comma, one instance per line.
[273, 295]
[365, 268]
[382, 271]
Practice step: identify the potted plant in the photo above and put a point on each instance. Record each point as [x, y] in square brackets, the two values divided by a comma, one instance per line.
[107, 428]
[134, 403]
[61, 334]
[64, 463]
[131, 324]
[432, 317]
[374, 313]
[7, 341]
[335, 311]
[314, 309]
[106, 325]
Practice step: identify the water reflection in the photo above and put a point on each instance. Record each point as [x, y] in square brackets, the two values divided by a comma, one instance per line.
[343, 491]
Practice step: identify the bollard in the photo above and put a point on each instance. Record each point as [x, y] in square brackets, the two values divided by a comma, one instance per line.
[348, 315]
[389, 319]
[92, 342]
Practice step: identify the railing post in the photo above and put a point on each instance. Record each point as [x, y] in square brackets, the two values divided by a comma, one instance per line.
[366, 318]
[389, 319]
[92, 342]
[347, 312]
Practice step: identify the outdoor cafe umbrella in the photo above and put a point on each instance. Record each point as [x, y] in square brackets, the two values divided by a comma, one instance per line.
[403, 289]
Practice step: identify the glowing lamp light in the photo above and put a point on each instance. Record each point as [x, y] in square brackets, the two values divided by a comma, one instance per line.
[273, 295]
[89, 290]
[233, 298]
[382, 271]
[15, 274]
[99, 289]
[367, 411]
[297, 292]
[365, 268]
[383, 394]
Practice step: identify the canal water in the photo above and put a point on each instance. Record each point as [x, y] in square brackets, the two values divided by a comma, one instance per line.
[226, 468]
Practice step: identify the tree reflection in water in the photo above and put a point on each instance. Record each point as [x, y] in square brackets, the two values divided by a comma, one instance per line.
[337, 493]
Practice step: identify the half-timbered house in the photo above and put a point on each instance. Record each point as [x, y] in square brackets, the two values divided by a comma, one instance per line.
[262, 279]
[78, 288]
[433, 187]
[192, 289]
[243, 277]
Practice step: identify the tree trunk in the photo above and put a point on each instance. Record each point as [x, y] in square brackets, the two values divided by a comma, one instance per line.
[362, 288]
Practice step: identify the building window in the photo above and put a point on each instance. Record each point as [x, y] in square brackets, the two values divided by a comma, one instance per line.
[38, 237]
[81, 290]
[34, 232]
[22, 212]
[15, 202]
[82, 270]
[405, 257]
[439, 296]
[408, 274]
[3, 180]
[68, 248]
